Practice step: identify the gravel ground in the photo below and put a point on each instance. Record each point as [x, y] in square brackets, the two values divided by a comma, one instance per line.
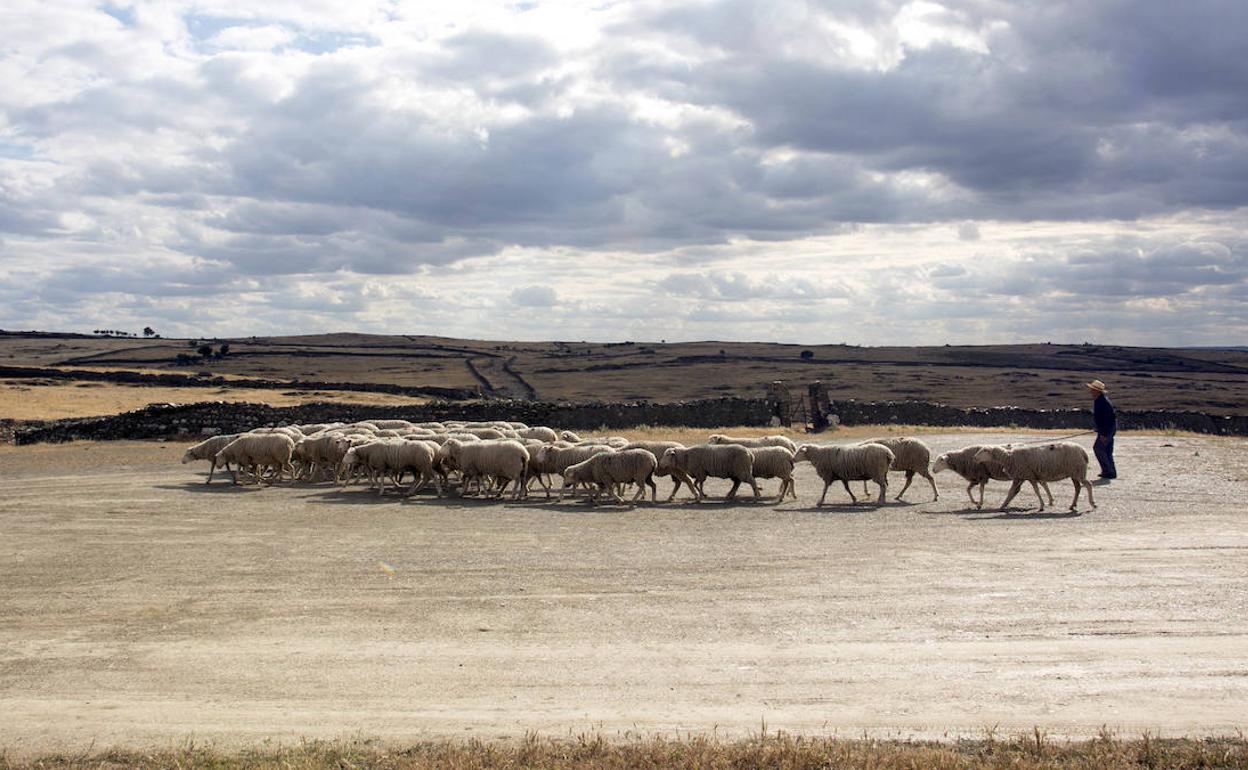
[139, 607]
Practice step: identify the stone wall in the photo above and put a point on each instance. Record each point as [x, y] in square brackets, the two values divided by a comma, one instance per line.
[194, 380]
[164, 421]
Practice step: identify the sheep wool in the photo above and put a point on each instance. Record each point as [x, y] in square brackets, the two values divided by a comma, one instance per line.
[721, 461]
[848, 463]
[607, 469]
[259, 451]
[1044, 462]
[207, 450]
[775, 462]
[657, 448]
[911, 456]
[784, 441]
[962, 462]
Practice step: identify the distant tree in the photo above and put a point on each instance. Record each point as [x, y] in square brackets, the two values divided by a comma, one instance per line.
[192, 343]
[149, 331]
[185, 359]
[723, 352]
[807, 355]
[204, 350]
[225, 350]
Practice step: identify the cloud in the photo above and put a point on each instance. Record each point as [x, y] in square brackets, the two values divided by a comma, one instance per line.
[535, 296]
[926, 160]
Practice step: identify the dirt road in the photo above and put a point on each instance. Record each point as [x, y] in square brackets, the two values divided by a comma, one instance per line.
[140, 607]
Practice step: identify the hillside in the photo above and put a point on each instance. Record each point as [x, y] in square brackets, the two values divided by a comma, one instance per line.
[1039, 375]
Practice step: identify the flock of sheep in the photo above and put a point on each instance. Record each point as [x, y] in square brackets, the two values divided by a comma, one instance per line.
[490, 458]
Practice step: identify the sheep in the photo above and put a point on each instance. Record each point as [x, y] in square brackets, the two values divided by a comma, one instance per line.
[657, 448]
[909, 455]
[504, 460]
[321, 452]
[963, 463]
[553, 458]
[608, 469]
[787, 443]
[258, 451]
[486, 433]
[207, 450]
[775, 462]
[391, 424]
[1045, 462]
[569, 436]
[393, 459]
[540, 433]
[848, 463]
[728, 461]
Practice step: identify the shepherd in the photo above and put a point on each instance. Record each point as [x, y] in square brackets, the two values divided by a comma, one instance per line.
[1106, 426]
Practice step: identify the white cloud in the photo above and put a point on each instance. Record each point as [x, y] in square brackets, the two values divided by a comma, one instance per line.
[738, 168]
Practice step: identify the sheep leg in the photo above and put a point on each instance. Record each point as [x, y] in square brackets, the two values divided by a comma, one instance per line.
[736, 484]
[826, 484]
[615, 492]
[1036, 488]
[932, 481]
[1047, 491]
[648, 481]
[850, 491]
[757, 492]
[883, 482]
[909, 478]
[969, 487]
[1014, 487]
[212, 470]
[1088, 484]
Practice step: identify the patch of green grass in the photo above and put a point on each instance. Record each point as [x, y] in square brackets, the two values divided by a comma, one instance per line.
[1032, 751]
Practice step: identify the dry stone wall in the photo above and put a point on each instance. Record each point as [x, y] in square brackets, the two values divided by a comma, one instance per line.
[204, 419]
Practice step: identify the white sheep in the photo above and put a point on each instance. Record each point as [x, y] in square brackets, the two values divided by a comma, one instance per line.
[721, 461]
[540, 432]
[775, 462]
[505, 461]
[391, 424]
[258, 451]
[320, 453]
[1046, 462]
[756, 441]
[569, 436]
[609, 469]
[963, 463]
[553, 458]
[657, 448]
[848, 463]
[390, 458]
[909, 455]
[207, 450]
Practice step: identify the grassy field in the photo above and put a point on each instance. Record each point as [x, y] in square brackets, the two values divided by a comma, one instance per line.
[58, 399]
[1032, 751]
[1042, 375]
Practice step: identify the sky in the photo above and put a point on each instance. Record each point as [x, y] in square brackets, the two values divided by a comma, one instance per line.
[868, 171]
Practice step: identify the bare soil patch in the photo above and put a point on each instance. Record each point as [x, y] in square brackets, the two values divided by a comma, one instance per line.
[59, 399]
[140, 607]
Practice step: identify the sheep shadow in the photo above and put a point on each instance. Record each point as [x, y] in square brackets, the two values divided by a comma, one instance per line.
[1023, 515]
[216, 487]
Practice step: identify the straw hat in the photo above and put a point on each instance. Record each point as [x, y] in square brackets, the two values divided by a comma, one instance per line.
[1097, 385]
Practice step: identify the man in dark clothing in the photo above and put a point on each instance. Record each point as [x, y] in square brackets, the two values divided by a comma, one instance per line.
[1106, 426]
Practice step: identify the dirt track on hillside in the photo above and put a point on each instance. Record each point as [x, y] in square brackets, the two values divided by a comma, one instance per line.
[139, 607]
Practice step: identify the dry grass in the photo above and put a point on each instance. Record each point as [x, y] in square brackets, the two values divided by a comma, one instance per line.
[689, 436]
[58, 399]
[1025, 752]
